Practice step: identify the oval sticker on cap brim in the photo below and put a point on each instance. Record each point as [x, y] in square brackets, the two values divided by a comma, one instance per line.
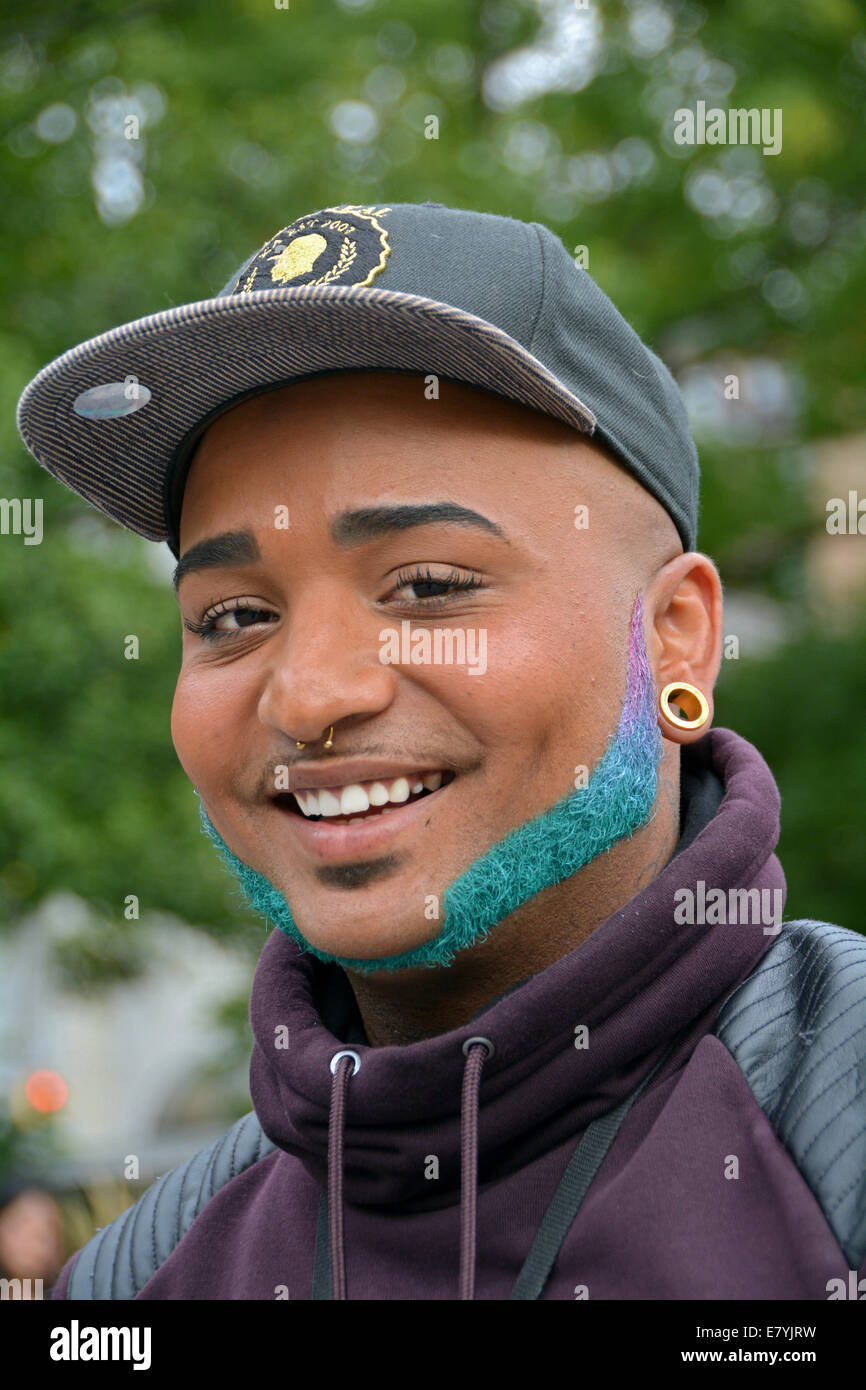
[113, 399]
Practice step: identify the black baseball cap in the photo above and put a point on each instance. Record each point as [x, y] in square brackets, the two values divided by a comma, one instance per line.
[468, 296]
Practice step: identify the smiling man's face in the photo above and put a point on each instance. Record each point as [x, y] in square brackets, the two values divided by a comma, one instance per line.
[334, 480]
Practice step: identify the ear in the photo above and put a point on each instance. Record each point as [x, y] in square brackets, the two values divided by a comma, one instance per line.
[684, 639]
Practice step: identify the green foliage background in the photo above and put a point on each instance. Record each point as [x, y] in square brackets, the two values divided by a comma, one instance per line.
[93, 799]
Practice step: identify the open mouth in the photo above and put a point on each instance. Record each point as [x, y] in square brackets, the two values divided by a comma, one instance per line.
[360, 802]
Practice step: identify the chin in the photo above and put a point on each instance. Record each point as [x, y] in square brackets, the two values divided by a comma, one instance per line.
[368, 939]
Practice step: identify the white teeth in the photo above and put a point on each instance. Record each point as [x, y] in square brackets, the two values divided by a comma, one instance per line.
[329, 805]
[357, 797]
[353, 798]
[399, 790]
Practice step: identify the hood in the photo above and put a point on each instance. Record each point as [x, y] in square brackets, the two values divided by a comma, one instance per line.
[637, 982]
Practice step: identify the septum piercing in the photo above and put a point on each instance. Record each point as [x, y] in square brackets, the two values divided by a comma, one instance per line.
[329, 741]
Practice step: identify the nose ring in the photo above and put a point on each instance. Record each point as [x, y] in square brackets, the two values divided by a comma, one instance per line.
[329, 741]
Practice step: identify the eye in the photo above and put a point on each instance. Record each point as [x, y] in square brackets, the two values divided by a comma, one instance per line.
[207, 627]
[435, 590]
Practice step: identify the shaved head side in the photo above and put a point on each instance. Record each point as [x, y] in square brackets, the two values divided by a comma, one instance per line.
[641, 534]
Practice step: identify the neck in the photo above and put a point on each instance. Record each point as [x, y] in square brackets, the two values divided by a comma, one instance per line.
[407, 1006]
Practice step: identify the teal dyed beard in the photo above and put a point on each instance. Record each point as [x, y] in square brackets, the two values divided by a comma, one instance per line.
[618, 798]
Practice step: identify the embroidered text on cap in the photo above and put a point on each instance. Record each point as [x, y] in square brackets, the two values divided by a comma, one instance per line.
[337, 246]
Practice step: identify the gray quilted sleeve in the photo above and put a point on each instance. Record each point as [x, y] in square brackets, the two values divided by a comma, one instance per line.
[119, 1260]
[797, 1029]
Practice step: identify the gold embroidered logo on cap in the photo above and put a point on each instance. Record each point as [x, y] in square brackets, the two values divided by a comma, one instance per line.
[343, 245]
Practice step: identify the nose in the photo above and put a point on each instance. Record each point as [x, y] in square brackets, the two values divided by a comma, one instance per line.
[325, 670]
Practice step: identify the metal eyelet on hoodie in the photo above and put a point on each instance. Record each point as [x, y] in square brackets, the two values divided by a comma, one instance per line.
[346, 1052]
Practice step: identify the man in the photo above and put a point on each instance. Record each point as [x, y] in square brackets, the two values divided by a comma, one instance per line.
[529, 1024]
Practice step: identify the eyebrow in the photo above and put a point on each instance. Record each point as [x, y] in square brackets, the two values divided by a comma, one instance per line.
[347, 529]
[230, 548]
[368, 523]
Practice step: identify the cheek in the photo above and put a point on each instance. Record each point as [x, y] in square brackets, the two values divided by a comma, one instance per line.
[185, 735]
[204, 726]
[552, 669]
[550, 689]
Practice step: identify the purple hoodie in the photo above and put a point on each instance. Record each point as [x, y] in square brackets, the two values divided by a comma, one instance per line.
[663, 1218]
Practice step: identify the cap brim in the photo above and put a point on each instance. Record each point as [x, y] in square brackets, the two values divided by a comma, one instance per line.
[198, 357]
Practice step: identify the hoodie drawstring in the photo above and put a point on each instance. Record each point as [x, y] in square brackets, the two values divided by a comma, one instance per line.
[340, 1071]
[476, 1051]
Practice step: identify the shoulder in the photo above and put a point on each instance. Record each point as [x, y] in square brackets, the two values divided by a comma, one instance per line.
[796, 1028]
[120, 1258]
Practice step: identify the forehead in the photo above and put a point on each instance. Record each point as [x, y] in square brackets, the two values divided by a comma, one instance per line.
[333, 402]
[369, 430]
[348, 459]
